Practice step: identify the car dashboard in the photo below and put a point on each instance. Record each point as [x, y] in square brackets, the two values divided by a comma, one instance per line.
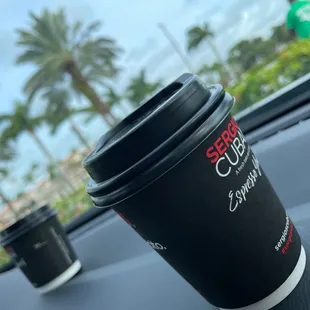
[121, 271]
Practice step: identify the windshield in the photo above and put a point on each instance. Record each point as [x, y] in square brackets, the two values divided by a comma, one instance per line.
[73, 69]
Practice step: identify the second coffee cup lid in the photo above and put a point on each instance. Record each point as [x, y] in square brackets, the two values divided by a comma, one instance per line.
[25, 224]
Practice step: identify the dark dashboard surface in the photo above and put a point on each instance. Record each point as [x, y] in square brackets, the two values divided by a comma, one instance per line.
[122, 272]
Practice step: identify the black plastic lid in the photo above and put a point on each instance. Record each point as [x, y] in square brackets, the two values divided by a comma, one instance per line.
[153, 138]
[146, 128]
[25, 224]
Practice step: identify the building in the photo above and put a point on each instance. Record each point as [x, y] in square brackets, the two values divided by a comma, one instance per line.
[72, 176]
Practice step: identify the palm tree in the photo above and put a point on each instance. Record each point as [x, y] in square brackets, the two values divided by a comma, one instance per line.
[58, 111]
[19, 122]
[61, 51]
[196, 35]
[139, 89]
[6, 154]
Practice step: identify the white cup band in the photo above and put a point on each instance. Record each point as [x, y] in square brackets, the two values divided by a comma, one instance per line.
[283, 291]
[61, 279]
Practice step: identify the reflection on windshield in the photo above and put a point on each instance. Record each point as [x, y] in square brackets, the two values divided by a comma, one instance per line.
[75, 70]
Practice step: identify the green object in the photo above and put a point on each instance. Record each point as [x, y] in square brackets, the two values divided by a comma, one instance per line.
[298, 18]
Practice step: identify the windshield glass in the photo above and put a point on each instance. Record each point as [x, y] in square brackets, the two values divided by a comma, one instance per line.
[73, 69]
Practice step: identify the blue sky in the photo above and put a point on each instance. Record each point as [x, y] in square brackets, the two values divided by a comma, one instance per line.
[134, 25]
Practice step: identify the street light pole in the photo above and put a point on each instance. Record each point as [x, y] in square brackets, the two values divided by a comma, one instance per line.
[176, 47]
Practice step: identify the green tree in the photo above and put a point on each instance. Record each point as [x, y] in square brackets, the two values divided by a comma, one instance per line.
[6, 154]
[247, 53]
[60, 50]
[139, 89]
[281, 35]
[196, 35]
[21, 121]
[242, 56]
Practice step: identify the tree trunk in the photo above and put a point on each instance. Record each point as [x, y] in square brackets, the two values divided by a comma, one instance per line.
[219, 58]
[83, 86]
[8, 204]
[79, 134]
[49, 156]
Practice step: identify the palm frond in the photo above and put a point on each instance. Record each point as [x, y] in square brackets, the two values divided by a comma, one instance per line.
[73, 36]
[10, 133]
[19, 121]
[42, 78]
[27, 39]
[30, 55]
[96, 53]
[87, 32]
[196, 35]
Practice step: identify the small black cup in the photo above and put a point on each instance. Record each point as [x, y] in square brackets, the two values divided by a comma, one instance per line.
[39, 246]
[180, 172]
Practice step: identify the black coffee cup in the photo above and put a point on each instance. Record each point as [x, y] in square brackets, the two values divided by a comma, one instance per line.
[180, 172]
[39, 246]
